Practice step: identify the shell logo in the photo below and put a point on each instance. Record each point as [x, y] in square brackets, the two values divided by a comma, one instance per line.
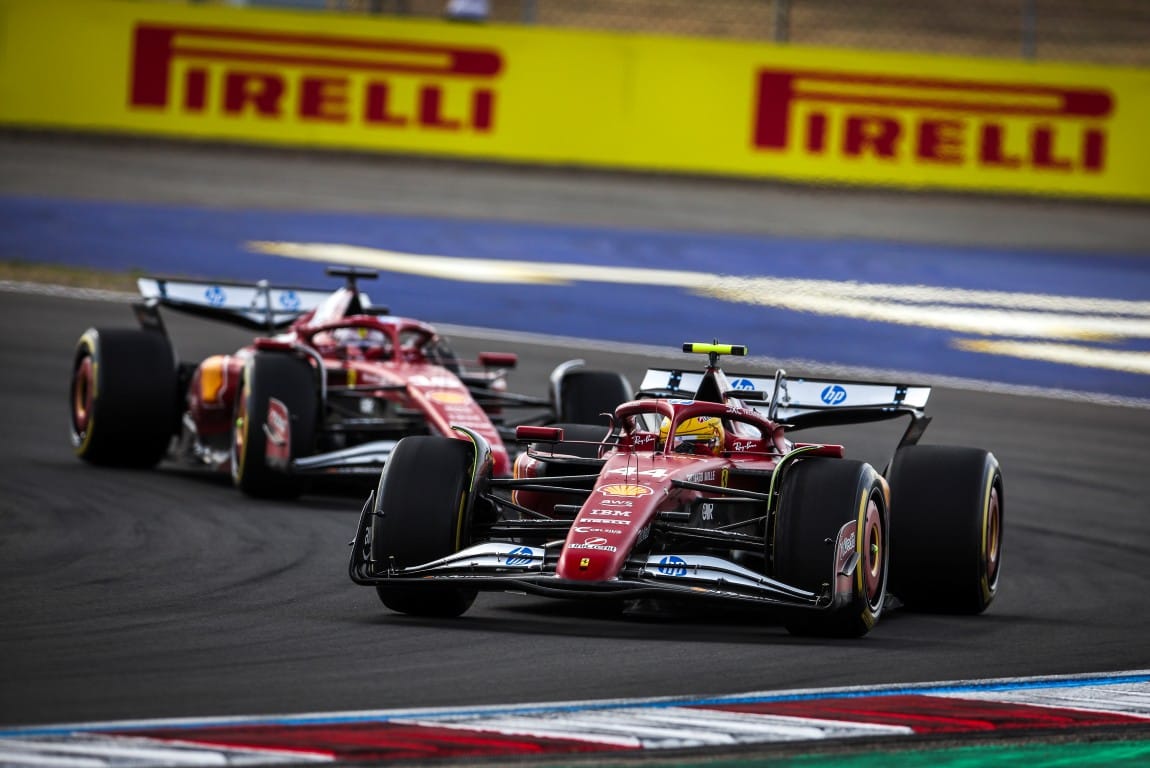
[625, 489]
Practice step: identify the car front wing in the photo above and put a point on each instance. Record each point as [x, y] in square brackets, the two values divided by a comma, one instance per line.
[364, 459]
[508, 566]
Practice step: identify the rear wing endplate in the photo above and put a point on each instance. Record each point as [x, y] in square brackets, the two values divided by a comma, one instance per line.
[801, 402]
[261, 306]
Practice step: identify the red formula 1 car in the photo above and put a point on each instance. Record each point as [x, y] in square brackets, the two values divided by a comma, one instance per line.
[695, 491]
[330, 394]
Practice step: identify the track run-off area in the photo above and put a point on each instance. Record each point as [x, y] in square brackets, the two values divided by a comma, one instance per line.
[160, 618]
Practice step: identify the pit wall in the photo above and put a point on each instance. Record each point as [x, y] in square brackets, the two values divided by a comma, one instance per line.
[564, 97]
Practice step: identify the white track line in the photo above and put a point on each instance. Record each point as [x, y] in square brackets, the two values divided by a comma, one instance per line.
[809, 367]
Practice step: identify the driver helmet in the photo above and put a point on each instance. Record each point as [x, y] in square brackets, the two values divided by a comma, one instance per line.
[368, 343]
[702, 434]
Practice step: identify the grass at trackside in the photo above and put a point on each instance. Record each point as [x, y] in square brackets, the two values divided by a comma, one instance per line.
[78, 277]
[1099, 754]
[1061, 755]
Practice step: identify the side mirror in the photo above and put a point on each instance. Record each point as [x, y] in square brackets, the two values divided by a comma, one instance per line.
[526, 433]
[498, 359]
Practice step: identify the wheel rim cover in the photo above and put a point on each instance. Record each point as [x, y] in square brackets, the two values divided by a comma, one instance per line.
[238, 437]
[873, 554]
[993, 538]
[82, 395]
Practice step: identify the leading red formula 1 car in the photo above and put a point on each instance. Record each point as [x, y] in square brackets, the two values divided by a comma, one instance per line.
[695, 491]
[330, 389]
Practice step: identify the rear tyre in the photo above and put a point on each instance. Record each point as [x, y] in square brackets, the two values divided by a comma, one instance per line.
[275, 422]
[584, 396]
[819, 497]
[947, 506]
[124, 397]
[420, 511]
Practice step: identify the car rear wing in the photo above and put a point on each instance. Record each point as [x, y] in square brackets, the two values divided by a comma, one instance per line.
[260, 306]
[801, 402]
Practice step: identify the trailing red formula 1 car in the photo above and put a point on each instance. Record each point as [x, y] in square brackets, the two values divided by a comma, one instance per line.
[329, 391]
[695, 491]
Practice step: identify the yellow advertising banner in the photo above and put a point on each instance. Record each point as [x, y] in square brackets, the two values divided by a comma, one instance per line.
[537, 95]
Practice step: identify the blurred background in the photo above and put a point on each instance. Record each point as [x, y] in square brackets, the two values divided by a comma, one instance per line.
[723, 108]
[1096, 31]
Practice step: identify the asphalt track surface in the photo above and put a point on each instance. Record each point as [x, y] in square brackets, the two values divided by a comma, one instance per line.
[133, 594]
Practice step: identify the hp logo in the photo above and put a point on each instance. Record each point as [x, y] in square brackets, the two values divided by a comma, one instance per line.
[833, 395]
[215, 296]
[742, 384]
[289, 300]
[673, 565]
[520, 556]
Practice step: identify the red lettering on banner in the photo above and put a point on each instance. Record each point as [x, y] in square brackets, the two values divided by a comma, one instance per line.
[1042, 150]
[1093, 149]
[482, 108]
[377, 101]
[323, 98]
[867, 134]
[816, 132]
[262, 92]
[326, 78]
[431, 109]
[991, 151]
[1005, 126]
[196, 93]
[940, 141]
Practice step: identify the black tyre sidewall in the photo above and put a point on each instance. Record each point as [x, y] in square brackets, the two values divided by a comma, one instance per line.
[939, 511]
[135, 406]
[283, 377]
[818, 497]
[420, 516]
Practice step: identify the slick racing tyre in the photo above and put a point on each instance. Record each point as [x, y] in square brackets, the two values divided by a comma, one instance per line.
[584, 396]
[419, 517]
[818, 497]
[124, 397]
[276, 412]
[946, 519]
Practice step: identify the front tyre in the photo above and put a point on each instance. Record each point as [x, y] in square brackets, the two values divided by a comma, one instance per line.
[275, 422]
[124, 397]
[819, 497]
[947, 506]
[420, 516]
